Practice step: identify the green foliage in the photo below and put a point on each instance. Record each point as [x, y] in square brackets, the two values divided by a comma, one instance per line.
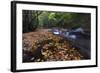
[47, 19]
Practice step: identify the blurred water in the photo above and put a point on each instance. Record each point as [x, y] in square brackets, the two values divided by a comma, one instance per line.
[79, 39]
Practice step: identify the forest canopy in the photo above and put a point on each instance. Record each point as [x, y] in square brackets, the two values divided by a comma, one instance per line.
[33, 20]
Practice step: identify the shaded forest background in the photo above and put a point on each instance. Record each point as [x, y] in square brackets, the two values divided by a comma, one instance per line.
[33, 20]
